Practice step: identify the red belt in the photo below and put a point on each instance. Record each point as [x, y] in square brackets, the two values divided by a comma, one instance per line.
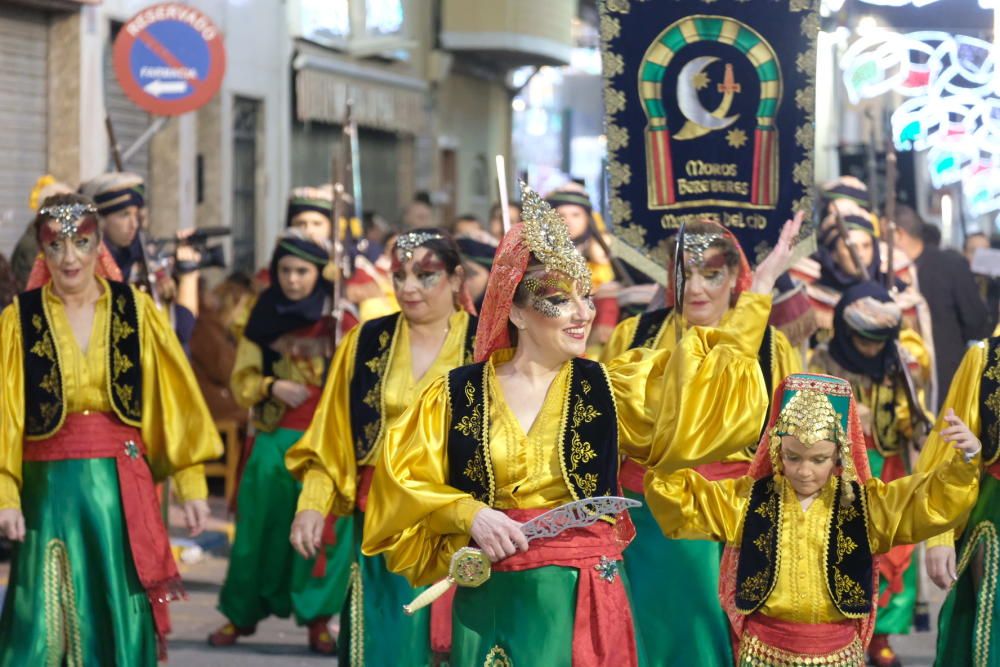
[994, 469]
[298, 419]
[630, 476]
[603, 632]
[102, 436]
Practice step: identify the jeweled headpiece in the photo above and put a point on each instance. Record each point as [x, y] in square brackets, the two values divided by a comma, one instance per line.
[68, 216]
[408, 242]
[695, 245]
[547, 236]
[814, 408]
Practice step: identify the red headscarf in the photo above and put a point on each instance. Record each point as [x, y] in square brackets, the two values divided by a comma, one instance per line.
[744, 275]
[762, 467]
[509, 266]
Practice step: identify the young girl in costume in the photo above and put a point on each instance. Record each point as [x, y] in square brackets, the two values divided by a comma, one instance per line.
[805, 528]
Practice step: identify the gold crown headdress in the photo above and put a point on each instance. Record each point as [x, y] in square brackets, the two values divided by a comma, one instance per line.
[547, 236]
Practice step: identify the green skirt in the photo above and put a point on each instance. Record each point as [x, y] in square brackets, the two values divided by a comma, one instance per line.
[661, 570]
[74, 597]
[374, 631]
[266, 506]
[969, 623]
[521, 618]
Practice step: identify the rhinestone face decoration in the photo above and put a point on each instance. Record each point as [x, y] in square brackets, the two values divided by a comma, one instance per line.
[67, 216]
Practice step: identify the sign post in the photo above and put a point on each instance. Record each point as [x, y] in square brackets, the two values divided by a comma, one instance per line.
[169, 59]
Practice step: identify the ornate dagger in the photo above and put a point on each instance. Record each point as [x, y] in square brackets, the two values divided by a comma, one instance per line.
[470, 567]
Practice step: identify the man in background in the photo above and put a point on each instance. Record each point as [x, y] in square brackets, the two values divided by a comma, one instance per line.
[947, 284]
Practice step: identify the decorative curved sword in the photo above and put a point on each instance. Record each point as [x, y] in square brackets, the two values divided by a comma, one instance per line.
[470, 567]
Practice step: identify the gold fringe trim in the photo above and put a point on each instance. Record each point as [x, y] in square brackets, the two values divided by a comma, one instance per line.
[62, 629]
[985, 534]
[357, 653]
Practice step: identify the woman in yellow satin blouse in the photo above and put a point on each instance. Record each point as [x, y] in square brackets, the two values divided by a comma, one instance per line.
[716, 273]
[379, 369]
[99, 402]
[533, 426]
[804, 529]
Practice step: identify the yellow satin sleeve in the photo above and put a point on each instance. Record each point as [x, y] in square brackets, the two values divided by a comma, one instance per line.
[247, 382]
[689, 507]
[324, 458]
[916, 507]
[621, 339]
[671, 410]
[414, 516]
[11, 407]
[178, 429]
[786, 358]
[963, 398]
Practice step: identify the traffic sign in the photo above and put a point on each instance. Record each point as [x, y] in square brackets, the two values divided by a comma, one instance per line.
[169, 59]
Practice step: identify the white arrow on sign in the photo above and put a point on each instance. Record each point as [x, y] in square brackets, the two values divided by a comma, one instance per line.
[158, 88]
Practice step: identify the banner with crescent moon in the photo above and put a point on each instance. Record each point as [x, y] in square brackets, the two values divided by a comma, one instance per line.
[709, 114]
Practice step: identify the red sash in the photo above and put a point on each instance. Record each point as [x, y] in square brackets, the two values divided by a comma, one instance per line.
[630, 476]
[298, 419]
[603, 634]
[994, 469]
[99, 436]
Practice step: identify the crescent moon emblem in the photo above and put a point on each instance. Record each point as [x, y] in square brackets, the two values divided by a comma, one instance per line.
[700, 121]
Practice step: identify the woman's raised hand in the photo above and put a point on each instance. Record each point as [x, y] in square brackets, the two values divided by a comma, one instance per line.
[779, 259]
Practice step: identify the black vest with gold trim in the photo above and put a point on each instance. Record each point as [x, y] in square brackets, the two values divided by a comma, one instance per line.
[44, 403]
[989, 402]
[589, 445]
[376, 343]
[650, 328]
[848, 556]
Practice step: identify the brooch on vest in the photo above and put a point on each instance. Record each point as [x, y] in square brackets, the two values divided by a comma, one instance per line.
[44, 403]
[589, 439]
[848, 558]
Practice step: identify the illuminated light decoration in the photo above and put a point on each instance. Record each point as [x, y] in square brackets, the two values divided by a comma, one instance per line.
[952, 105]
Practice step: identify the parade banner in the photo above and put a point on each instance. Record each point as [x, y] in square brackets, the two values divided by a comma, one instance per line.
[709, 114]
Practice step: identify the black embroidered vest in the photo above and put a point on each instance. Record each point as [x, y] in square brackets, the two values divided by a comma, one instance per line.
[376, 342]
[589, 451]
[989, 402]
[44, 403]
[650, 328]
[848, 556]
